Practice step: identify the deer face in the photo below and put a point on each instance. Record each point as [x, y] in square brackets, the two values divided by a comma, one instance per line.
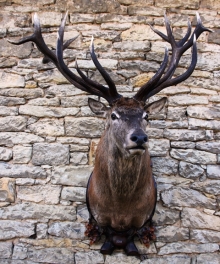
[126, 123]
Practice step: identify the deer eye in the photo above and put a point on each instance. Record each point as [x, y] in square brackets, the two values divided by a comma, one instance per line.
[113, 116]
[146, 117]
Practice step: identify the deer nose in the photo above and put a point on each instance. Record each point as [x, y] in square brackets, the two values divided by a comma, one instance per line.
[139, 139]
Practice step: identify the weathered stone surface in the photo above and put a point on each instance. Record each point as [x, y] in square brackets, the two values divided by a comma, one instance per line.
[48, 194]
[189, 170]
[5, 250]
[176, 113]
[8, 111]
[186, 247]
[163, 165]
[208, 258]
[178, 259]
[78, 158]
[51, 154]
[187, 100]
[193, 218]
[38, 211]
[121, 258]
[22, 154]
[91, 257]
[208, 186]
[41, 111]
[48, 127]
[184, 134]
[9, 80]
[21, 171]
[23, 93]
[213, 171]
[75, 194]
[165, 216]
[19, 252]
[206, 124]
[71, 175]
[203, 112]
[13, 138]
[171, 234]
[11, 229]
[159, 147]
[82, 213]
[5, 154]
[62, 90]
[84, 127]
[193, 156]
[12, 123]
[67, 229]
[7, 190]
[178, 196]
[205, 236]
[213, 147]
[172, 3]
[132, 45]
[88, 64]
[182, 144]
[45, 102]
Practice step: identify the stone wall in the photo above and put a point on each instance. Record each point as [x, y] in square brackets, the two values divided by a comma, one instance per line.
[48, 135]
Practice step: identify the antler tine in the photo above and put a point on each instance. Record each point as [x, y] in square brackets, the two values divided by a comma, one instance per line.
[112, 88]
[185, 38]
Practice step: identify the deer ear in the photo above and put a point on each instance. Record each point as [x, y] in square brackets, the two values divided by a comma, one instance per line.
[156, 106]
[97, 107]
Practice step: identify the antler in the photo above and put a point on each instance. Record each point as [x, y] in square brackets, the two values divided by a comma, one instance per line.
[157, 83]
[83, 83]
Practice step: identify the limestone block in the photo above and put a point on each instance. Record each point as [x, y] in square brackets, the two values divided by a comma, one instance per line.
[196, 219]
[147, 3]
[8, 50]
[22, 154]
[10, 101]
[50, 76]
[22, 92]
[203, 112]
[73, 140]
[184, 100]
[91, 257]
[88, 64]
[168, 124]
[213, 147]
[178, 259]
[38, 212]
[38, 193]
[159, 147]
[208, 186]
[171, 233]
[176, 113]
[5, 250]
[48, 127]
[189, 170]
[82, 213]
[165, 216]
[134, 9]
[213, 171]
[8, 111]
[77, 148]
[178, 196]
[75, 101]
[50, 154]
[186, 247]
[78, 158]
[116, 26]
[19, 252]
[41, 111]
[12, 123]
[7, 190]
[164, 165]
[5, 154]
[205, 236]
[121, 258]
[132, 45]
[175, 4]
[21, 171]
[41, 230]
[45, 101]
[182, 144]
[215, 98]
[82, 18]
[208, 258]
[75, 194]
[206, 124]
[184, 134]
[84, 127]
[51, 255]
[10, 80]
[14, 138]
[11, 229]
[154, 132]
[67, 230]
[193, 156]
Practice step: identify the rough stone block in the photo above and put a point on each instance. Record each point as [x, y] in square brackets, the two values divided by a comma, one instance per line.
[165, 216]
[19, 252]
[208, 258]
[78, 158]
[175, 4]
[164, 165]
[178, 259]
[213, 171]
[75, 194]
[13, 123]
[8, 111]
[171, 233]
[213, 147]
[67, 229]
[187, 100]
[5, 250]
[208, 186]
[5, 154]
[189, 170]
[22, 154]
[91, 257]
[9, 80]
[203, 112]
[205, 236]
[50, 154]
[182, 144]
[15, 138]
[159, 147]
[202, 123]
[184, 134]
[7, 190]
[23, 93]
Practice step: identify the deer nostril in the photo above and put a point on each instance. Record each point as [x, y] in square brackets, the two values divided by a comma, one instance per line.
[145, 139]
[139, 139]
[134, 138]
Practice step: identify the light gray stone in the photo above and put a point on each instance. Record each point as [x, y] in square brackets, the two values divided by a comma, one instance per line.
[165, 216]
[213, 171]
[205, 236]
[50, 154]
[159, 147]
[13, 123]
[73, 140]
[186, 247]
[206, 124]
[193, 156]
[41, 111]
[84, 127]
[5, 154]
[176, 113]
[75, 101]
[178, 259]
[62, 91]
[77, 148]
[11, 229]
[154, 133]
[42, 230]
[5, 250]
[178, 196]
[132, 45]
[184, 134]
[208, 186]
[67, 230]
[88, 64]
[121, 258]
[14, 138]
[19, 252]
[71, 175]
[213, 147]
[22, 92]
[21, 171]
[78, 158]
[75, 194]
[45, 101]
[168, 124]
[8, 111]
[208, 258]
[92, 257]
[48, 194]
[9, 80]
[203, 112]
[38, 212]
[179, 100]
[189, 170]
[22, 154]
[7, 190]
[164, 165]
[82, 213]
[182, 144]
[171, 233]
[196, 219]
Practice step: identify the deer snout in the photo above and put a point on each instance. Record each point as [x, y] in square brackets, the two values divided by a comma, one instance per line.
[139, 139]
